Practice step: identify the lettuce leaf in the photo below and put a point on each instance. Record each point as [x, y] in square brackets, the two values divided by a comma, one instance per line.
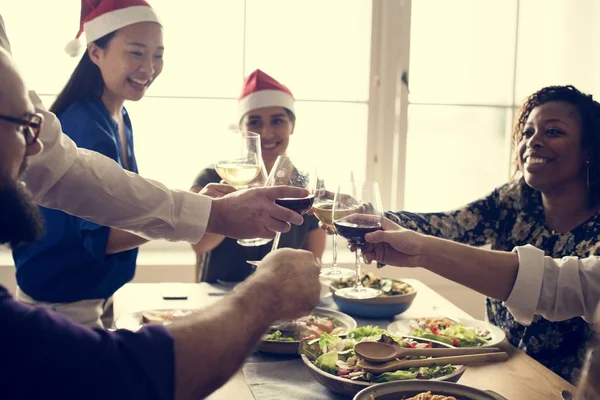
[436, 371]
[330, 341]
[278, 336]
[373, 332]
[400, 375]
[366, 331]
[465, 336]
[327, 361]
[426, 334]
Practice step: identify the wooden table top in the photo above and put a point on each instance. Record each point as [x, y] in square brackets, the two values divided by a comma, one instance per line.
[521, 377]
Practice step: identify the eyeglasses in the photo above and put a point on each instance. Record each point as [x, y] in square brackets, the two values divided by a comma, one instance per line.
[30, 127]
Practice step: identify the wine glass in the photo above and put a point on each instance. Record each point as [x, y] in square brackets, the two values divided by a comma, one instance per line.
[357, 210]
[284, 172]
[588, 387]
[240, 158]
[323, 210]
[259, 181]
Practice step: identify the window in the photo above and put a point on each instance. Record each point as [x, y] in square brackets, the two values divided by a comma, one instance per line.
[210, 46]
[557, 46]
[472, 64]
[321, 50]
[462, 51]
[456, 154]
[460, 111]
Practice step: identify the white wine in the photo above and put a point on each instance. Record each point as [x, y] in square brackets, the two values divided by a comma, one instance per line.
[237, 174]
[324, 212]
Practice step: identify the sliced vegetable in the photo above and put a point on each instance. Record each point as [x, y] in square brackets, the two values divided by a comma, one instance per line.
[327, 362]
[400, 375]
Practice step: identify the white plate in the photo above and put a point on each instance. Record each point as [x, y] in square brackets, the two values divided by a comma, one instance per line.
[277, 347]
[133, 321]
[401, 327]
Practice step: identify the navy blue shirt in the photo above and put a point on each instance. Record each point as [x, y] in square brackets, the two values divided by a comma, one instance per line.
[69, 263]
[44, 355]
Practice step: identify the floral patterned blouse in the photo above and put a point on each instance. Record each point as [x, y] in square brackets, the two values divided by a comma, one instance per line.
[513, 215]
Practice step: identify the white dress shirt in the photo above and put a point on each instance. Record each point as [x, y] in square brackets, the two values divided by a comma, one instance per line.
[94, 187]
[557, 289]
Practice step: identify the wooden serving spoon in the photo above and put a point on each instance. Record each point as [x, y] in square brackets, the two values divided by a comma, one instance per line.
[382, 352]
[428, 362]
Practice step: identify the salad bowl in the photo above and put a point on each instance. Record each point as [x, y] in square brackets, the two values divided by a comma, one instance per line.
[331, 361]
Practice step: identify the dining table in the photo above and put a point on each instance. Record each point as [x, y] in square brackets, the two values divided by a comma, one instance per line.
[519, 378]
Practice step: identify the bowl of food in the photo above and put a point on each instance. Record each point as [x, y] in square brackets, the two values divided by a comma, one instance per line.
[396, 297]
[285, 337]
[333, 363]
[425, 390]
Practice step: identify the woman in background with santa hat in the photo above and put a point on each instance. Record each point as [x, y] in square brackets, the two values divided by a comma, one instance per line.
[76, 267]
[267, 108]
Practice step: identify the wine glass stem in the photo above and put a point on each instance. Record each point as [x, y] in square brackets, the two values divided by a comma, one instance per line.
[276, 241]
[358, 283]
[334, 264]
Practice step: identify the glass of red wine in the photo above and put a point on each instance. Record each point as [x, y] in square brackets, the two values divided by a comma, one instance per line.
[285, 172]
[357, 210]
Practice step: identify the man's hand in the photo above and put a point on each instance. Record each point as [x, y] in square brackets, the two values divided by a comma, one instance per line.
[393, 246]
[252, 213]
[292, 280]
[215, 190]
[285, 286]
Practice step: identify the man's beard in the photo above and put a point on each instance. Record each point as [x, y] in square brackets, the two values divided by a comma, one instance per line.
[20, 218]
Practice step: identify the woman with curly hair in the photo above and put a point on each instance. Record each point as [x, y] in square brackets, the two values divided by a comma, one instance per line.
[552, 203]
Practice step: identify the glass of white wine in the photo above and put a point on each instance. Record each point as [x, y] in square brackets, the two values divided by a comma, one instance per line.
[259, 181]
[240, 158]
[323, 210]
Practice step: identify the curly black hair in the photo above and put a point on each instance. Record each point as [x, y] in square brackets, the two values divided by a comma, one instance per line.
[589, 111]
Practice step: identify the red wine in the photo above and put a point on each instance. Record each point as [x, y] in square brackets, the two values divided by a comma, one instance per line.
[301, 206]
[354, 228]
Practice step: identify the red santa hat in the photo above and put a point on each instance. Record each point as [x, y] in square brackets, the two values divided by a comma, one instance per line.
[260, 90]
[101, 17]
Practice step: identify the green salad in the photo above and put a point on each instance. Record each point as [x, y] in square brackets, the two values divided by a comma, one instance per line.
[446, 331]
[336, 356]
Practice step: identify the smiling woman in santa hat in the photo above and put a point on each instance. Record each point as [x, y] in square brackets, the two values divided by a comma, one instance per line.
[77, 266]
[267, 108]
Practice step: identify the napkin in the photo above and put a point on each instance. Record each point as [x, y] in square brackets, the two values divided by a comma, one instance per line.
[277, 378]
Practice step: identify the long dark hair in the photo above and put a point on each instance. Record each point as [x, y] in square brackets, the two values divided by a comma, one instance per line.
[589, 112]
[85, 82]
